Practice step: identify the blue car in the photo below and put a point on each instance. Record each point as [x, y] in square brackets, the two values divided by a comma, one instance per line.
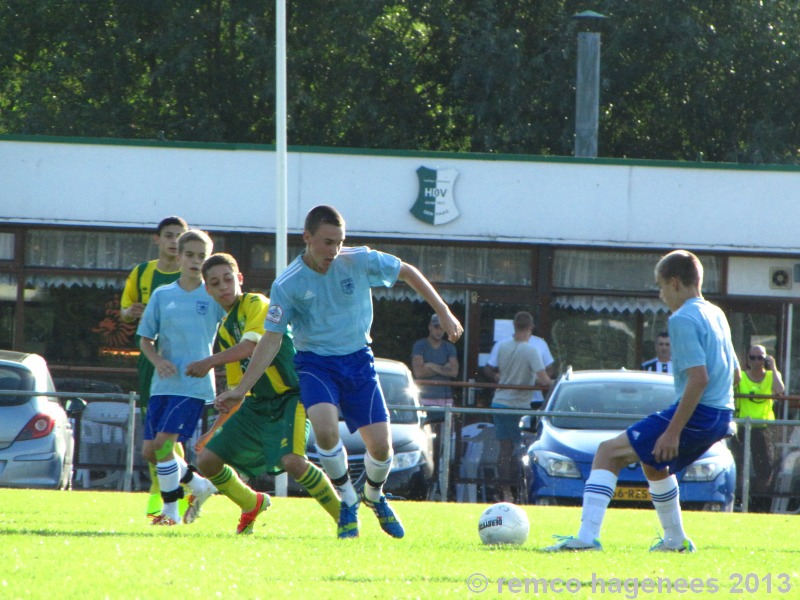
[589, 407]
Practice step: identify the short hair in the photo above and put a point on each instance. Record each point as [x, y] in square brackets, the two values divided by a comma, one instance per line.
[173, 220]
[523, 320]
[322, 215]
[220, 258]
[194, 235]
[662, 334]
[681, 264]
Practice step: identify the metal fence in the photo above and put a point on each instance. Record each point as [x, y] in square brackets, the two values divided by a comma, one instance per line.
[108, 439]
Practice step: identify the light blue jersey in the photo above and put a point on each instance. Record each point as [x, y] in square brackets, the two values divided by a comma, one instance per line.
[700, 336]
[184, 323]
[330, 313]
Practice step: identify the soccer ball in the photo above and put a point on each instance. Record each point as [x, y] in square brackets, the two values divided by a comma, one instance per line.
[504, 523]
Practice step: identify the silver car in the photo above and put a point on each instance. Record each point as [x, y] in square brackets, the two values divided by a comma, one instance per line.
[36, 441]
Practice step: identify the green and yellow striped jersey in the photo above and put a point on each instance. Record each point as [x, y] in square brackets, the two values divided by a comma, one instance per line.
[245, 321]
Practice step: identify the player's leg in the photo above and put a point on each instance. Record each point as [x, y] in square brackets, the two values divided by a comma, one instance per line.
[377, 464]
[665, 494]
[612, 455]
[144, 376]
[294, 428]
[183, 503]
[180, 414]
[169, 478]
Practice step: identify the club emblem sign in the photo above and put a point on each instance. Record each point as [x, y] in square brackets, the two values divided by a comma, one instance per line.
[436, 203]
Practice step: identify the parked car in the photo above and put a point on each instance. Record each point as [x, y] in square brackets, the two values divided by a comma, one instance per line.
[36, 437]
[412, 439]
[560, 458]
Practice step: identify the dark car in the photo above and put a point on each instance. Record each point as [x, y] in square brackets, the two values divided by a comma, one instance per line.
[36, 437]
[412, 440]
[560, 458]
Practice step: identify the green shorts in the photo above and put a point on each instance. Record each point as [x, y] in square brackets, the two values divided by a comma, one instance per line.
[262, 431]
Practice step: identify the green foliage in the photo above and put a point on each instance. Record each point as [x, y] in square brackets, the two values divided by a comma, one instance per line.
[92, 545]
[713, 81]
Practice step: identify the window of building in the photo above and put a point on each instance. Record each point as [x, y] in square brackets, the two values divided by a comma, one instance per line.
[6, 246]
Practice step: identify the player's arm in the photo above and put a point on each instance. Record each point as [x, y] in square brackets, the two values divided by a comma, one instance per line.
[263, 355]
[666, 447]
[218, 422]
[237, 353]
[164, 367]
[130, 308]
[419, 283]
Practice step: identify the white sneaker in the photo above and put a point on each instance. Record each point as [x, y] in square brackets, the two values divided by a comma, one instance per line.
[568, 542]
[196, 502]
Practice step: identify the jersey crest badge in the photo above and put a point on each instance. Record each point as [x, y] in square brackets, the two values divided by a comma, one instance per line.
[348, 286]
[436, 203]
[202, 307]
[274, 314]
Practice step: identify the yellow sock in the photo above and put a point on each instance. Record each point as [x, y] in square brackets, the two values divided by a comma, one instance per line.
[154, 499]
[183, 503]
[321, 489]
[228, 483]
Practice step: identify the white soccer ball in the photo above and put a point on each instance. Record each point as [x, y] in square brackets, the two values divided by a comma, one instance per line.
[504, 523]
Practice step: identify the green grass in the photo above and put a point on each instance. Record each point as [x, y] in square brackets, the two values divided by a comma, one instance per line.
[99, 545]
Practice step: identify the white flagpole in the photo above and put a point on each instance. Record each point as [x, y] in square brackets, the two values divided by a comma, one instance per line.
[281, 184]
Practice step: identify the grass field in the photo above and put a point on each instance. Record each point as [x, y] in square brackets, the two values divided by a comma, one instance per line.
[99, 545]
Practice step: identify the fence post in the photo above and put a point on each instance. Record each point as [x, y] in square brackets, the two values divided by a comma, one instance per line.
[746, 466]
[444, 472]
[130, 442]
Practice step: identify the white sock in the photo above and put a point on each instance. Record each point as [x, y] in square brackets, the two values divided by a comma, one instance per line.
[169, 480]
[197, 484]
[666, 499]
[597, 494]
[377, 472]
[334, 462]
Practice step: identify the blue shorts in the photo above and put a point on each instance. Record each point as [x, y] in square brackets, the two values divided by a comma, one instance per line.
[506, 427]
[348, 381]
[172, 414]
[705, 427]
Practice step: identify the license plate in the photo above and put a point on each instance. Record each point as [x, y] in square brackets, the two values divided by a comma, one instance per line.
[632, 494]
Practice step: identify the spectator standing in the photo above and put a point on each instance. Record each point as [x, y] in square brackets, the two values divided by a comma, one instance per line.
[518, 363]
[761, 378]
[434, 358]
[491, 372]
[662, 363]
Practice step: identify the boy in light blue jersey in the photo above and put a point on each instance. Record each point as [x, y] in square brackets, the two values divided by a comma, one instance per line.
[705, 369]
[183, 317]
[325, 294]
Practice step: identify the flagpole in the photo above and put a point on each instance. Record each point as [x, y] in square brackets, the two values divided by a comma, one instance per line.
[281, 183]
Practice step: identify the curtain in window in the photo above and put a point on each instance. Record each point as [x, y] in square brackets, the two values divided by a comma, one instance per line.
[6, 246]
[87, 249]
[625, 271]
[462, 265]
[616, 304]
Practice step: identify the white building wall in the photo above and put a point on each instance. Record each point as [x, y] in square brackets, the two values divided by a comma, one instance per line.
[534, 200]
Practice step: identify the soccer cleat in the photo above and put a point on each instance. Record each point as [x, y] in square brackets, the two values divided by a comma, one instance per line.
[164, 520]
[153, 515]
[386, 517]
[248, 519]
[661, 546]
[196, 503]
[568, 542]
[348, 521]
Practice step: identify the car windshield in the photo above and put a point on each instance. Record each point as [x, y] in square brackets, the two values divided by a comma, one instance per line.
[14, 379]
[396, 391]
[608, 398]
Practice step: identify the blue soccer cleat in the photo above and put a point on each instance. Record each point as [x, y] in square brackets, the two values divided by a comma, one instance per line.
[386, 517]
[348, 521]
